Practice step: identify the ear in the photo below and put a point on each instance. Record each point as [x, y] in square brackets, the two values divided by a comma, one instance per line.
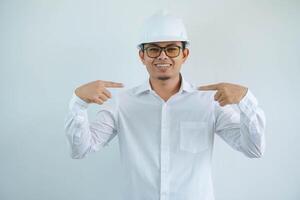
[142, 56]
[185, 54]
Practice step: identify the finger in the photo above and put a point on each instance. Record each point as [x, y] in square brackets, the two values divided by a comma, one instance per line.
[98, 101]
[103, 97]
[223, 103]
[209, 87]
[107, 93]
[218, 95]
[110, 84]
[222, 98]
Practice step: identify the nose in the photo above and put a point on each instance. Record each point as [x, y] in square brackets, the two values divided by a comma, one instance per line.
[162, 56]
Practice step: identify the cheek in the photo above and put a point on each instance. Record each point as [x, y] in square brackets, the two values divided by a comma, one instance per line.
[148, 62]
[177, 63]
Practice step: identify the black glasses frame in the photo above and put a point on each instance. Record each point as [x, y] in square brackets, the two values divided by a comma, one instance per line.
[163, 49]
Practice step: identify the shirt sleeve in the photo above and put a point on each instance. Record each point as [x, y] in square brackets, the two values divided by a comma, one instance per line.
[242, 126]
[84, 137]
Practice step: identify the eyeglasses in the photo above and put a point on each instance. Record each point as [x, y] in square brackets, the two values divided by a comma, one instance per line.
[170, 51]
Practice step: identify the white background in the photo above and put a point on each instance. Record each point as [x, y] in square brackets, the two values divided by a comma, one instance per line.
[48, 48]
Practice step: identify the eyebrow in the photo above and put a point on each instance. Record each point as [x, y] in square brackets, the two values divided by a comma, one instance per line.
[173, 44]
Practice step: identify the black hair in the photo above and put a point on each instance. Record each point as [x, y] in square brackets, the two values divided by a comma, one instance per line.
[184, 43]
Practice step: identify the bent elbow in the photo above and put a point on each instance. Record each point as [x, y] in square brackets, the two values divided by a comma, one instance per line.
[78, 155]
[257, 152]
[255, 155]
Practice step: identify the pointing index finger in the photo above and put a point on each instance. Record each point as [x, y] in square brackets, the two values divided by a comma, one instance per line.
[110, 84]
[209, 87]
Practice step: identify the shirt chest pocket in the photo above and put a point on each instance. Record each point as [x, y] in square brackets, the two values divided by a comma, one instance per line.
[194, 136]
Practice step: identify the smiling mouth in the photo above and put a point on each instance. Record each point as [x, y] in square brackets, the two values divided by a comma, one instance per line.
[162, 65]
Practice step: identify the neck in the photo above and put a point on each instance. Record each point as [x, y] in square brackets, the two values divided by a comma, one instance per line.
[166, 88]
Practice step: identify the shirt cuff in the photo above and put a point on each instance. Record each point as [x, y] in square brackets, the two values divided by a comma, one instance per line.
[77, 103]
[248, 103]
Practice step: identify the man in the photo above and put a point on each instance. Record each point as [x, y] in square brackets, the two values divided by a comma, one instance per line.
[166, 126]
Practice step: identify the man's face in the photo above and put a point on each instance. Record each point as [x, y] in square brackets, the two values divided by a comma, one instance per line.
[163, 67]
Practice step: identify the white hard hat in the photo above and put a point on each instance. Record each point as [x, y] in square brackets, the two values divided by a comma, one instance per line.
[163, 27]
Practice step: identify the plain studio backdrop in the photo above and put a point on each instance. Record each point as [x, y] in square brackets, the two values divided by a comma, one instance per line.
[48, 48]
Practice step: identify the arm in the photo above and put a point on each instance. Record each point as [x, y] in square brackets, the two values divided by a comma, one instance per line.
[242, 128]
[84, 137]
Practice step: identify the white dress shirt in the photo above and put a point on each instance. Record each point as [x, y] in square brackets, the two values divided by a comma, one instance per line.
[166, 147]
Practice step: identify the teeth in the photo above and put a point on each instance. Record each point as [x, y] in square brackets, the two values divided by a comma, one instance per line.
[163, 65]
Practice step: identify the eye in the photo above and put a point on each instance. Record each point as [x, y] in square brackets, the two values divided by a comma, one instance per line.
[172, 49]
[153, 49]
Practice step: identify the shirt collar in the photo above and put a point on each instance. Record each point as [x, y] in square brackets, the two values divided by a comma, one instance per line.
[146, 87]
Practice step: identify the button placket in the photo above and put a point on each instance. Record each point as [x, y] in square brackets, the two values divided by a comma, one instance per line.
[164, 153]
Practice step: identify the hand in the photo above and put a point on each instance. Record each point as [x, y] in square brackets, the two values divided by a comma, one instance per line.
[96, 92]
[227, 93]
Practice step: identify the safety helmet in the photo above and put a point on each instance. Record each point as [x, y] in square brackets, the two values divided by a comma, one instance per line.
[163, 27]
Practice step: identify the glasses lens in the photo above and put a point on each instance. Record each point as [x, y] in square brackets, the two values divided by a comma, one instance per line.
[172, 51]
[153, 52]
